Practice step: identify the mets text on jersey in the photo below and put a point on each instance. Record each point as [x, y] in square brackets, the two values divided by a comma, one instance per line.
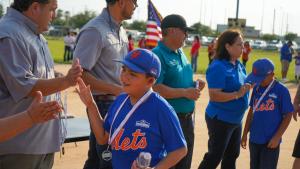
[127, 144]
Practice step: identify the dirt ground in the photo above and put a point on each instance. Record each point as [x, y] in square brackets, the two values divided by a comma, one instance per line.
[75, 155]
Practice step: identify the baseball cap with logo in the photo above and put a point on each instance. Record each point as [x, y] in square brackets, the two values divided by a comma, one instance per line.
[175, 21]
[260, 70]
[142, 61]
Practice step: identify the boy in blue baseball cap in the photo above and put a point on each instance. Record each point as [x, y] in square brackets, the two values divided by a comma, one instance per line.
[268, 117]
[139, 120]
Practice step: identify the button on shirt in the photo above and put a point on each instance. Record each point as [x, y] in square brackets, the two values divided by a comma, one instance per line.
[222, 74]
[176, 72]
[101, 41]
[24, 58]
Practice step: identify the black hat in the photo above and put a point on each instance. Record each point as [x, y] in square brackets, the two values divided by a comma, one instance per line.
[290, 42]
[175, 21]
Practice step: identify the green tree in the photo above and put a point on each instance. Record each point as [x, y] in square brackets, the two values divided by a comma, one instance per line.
[269, 37]
[77, 21]
[290, 36]
[203, 29]
[1, 10]
[59, 20]
[138, 25]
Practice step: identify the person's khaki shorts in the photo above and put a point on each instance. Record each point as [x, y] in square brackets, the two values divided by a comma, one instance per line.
[285, 65]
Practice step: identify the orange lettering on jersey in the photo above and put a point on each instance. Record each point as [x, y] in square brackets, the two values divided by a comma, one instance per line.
[127, 144]
[268, 106]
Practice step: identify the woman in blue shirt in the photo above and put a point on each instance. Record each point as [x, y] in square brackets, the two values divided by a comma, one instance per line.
[228, 102]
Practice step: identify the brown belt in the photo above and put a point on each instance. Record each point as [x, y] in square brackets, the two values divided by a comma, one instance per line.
[106, 97]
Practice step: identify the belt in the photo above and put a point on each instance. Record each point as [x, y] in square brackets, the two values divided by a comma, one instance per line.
[105, 97]
[184, 115]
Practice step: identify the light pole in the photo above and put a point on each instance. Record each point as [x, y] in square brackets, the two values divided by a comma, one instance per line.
[237, 10]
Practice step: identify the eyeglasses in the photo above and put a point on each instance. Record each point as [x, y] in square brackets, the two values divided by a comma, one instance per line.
[135, 3]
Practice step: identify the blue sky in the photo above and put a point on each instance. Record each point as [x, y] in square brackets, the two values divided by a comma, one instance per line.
[259, 13]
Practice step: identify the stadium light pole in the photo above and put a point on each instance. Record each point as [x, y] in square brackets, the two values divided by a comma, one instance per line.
[237, 10]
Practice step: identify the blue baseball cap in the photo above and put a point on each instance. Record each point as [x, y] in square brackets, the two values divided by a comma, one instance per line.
[260, 70]
[143, 61]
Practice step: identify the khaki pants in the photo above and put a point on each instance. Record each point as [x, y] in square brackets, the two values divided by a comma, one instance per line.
[285, 65]
[26, 161]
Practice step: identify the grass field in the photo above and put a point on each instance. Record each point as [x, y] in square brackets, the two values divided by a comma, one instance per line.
[56, 46]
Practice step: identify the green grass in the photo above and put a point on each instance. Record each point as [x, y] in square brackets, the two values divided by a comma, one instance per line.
[56, 46]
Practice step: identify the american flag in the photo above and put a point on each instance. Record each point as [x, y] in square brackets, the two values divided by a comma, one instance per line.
[153, 31]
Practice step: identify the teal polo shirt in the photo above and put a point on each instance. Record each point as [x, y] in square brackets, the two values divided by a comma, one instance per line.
[176, 72]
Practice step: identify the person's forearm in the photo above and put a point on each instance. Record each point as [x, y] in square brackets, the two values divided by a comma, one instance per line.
[168, 92]
[172, 158]
[49, 86]
[11, 126]
[97, 123]
[297, 96]
[100, 85]
[284, 125]
[248, 122]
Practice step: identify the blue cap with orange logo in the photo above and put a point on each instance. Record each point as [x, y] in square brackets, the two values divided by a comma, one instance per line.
[143, 61]
[260, 70]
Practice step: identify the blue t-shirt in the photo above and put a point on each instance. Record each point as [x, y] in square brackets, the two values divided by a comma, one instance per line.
[153, 127]
[286, 53]
[222, 74]
[270, 112]
[176, 72]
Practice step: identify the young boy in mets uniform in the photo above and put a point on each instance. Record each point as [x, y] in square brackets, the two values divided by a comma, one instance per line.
[139, 120]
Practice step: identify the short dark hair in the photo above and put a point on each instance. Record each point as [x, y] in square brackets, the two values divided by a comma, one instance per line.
[111, 2]
[227, 37]
[23, 5]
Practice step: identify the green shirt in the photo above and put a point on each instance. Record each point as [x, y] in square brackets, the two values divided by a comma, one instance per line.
[176, 72]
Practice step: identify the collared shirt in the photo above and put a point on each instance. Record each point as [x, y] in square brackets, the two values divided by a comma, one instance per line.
[268, 116]
[222, 74]
[24, 58]
[101, 41]
[176, 72]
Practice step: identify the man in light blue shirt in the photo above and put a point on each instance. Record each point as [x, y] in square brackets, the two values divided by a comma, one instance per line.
[26, 67]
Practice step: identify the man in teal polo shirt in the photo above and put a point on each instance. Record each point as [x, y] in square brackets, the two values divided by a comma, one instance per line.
[175, 82]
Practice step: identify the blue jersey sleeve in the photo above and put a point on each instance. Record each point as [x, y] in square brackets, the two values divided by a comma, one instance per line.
[170, 129]
[215, 75]
[286, 105]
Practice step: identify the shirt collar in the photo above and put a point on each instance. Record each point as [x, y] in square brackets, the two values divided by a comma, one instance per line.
[167, 49]
[109, 19]
[12, 13]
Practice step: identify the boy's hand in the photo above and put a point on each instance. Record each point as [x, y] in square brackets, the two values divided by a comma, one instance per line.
[274, 142]
[244, 141]
[296, 112]
[134, 166]
[84, 93]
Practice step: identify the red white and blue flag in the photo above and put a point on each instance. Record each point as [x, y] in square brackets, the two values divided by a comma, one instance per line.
[153, 31]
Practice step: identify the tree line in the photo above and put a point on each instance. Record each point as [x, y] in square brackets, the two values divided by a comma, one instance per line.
[64, 18]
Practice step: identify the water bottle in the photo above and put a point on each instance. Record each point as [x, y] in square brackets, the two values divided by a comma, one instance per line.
[143, 160]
